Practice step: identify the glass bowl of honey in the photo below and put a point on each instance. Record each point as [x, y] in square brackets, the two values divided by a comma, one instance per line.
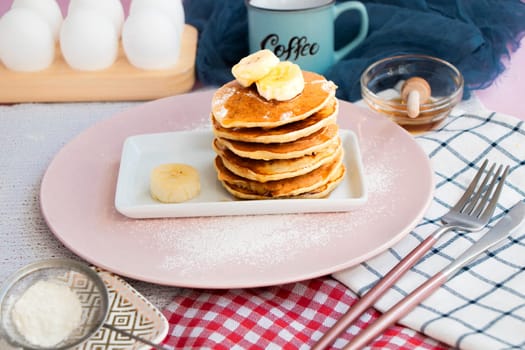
[386, 86]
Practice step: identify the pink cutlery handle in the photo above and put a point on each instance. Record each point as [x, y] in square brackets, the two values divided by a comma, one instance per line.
[376, 292]
[397, 312]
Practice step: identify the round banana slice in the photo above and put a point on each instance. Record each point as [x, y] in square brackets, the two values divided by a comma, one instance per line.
[174, 183]
[254, 67]
[284, 82]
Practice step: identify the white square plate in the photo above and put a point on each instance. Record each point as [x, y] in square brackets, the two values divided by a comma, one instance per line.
[141, 153]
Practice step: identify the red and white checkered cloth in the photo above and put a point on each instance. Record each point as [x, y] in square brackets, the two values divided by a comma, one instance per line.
[291, 316]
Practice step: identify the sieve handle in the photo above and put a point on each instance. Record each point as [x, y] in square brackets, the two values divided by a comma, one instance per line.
[132, 336]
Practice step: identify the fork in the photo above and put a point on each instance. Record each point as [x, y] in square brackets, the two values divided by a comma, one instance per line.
[471, 213]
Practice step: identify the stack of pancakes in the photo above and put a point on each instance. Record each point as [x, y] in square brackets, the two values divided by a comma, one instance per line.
[278, 149]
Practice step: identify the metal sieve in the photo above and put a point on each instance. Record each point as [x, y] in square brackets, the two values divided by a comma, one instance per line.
[81, 279]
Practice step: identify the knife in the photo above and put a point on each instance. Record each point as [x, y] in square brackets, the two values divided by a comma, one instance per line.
[504, 228]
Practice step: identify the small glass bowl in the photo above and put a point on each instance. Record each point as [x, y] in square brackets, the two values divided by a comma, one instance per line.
[381, 83]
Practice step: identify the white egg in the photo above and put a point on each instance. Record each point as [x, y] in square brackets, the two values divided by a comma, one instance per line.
[88, 40]
[150, 40]
[48, 9]
[111, 8]
[172, 8]
[26, 41]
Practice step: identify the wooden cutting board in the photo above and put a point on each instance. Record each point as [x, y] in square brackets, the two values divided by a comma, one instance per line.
[120, 82]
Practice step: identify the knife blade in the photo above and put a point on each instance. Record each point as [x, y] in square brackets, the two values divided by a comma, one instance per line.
[504, 228]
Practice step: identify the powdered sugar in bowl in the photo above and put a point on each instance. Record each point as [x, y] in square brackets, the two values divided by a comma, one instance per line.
[52, 304]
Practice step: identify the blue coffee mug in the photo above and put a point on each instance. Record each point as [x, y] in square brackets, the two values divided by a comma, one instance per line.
[302, 31]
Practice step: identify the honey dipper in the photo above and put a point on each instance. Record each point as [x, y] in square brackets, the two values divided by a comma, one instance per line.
[414, 92]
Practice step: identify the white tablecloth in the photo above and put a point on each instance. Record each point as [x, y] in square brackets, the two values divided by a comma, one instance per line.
[31, 134]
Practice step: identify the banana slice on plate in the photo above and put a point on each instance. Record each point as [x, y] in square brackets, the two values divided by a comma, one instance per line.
[282, 83]
[174, 183]
[254, 67]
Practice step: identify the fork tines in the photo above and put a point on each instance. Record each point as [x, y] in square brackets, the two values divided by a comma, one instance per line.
[471, 204]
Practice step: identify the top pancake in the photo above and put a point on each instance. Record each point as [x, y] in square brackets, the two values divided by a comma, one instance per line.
[236, 106]
[284, 133]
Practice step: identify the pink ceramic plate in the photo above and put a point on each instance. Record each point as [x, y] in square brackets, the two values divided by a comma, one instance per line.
[78, 193]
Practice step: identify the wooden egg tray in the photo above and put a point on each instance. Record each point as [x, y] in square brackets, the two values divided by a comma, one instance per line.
[120, 82]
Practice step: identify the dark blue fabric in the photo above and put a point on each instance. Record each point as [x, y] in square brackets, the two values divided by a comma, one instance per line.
[474, 35]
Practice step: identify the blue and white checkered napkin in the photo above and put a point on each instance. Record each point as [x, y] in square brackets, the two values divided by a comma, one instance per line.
[483, 306]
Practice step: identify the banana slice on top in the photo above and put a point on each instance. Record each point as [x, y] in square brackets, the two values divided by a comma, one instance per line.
[255, 66]
[174, 183]
[282, 83]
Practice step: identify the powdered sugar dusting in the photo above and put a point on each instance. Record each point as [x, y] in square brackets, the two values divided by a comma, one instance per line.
[219, 100]
[379, 178]
[328, 86]
[262, 242]
[198, 244]
[260, 245]
[221, 113]
[287, 115]
[201, 124]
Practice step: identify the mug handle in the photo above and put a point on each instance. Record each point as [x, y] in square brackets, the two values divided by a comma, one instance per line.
[363, 29]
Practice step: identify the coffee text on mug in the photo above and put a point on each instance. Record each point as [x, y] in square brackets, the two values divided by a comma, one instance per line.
[297, 46]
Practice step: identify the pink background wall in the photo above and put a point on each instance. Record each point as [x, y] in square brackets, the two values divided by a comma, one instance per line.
[505, 95]
[6, 4]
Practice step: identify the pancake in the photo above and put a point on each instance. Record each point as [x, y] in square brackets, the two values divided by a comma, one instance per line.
[280, 188]
[271, 170]
[285, 133]
[295, 149]
[320, 192]
[242, 107]
[326, 189]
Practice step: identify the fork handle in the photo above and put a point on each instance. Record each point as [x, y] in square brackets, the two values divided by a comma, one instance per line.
[397, 312]
[379, 289]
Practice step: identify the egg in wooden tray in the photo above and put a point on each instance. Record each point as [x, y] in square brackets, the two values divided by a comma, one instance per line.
[95, 53]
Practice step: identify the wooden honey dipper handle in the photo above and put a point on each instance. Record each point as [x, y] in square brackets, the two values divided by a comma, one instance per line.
[414, 92]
